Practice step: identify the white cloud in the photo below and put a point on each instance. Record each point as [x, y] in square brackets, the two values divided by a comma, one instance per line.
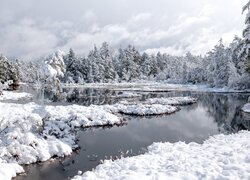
[35, 29]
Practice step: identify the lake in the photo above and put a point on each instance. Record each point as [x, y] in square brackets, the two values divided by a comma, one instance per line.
[214, 113]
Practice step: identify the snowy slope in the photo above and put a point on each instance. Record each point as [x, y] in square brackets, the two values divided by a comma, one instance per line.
[220, 157]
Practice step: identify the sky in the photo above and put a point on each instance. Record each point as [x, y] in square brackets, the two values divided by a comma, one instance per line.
[30, 29]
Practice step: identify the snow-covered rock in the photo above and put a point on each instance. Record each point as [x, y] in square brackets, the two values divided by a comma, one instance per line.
[246, 108]
[31, 133]
[220, 157]
[10, 95]
[175, 101]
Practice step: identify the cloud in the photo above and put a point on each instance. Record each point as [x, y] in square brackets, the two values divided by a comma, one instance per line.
[34, 29]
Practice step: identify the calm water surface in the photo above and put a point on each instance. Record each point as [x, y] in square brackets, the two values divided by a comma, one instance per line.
[214, 113]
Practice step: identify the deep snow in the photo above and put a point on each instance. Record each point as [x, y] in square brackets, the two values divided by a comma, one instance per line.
[219, 157]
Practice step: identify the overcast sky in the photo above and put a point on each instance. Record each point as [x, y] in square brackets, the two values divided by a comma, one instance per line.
[32, 28]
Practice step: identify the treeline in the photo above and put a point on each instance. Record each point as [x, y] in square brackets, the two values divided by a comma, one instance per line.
[220, 67]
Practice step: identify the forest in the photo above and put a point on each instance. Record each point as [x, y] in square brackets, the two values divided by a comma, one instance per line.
[221, 67]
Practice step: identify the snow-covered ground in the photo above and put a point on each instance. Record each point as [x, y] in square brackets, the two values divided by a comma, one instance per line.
[246, 108]
[175, 101]
[219, 157]
[153, 87]
[10, 95]
[152, 106]
[31, 133]
[147, 109]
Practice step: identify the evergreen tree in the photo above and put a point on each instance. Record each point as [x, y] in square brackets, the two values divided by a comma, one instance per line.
[245, 49]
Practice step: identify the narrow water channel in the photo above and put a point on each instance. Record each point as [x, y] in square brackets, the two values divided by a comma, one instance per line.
[214, 113]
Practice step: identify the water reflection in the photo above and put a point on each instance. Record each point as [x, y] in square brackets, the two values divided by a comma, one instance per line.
[214, 113]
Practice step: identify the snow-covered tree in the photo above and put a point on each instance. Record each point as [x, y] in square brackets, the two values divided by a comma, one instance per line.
[245, 49]
[52, 70]
[107, 63]
[8, 72]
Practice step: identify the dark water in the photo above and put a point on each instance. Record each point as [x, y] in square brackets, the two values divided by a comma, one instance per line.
[214, 113]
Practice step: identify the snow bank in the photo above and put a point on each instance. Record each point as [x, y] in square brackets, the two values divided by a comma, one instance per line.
[7, 171]
[128, 95]
[246, 108]
[10, 95]
[152, 106]
[148, 109]
[175, 101]
[156, 87]
[220, 157]
[140, 109]
[31, 133]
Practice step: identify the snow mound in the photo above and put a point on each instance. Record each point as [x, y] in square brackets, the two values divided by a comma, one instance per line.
[246, 108]
[152, 106]
[128, 95]
[10, 95]
[175, 101]
[148, 109]
[7, 171]
[31, 133]
[220, 157]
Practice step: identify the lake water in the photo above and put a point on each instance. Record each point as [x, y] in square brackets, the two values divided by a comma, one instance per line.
[214, 113]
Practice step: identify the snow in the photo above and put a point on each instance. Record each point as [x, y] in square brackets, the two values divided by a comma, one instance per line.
[150, 86]
[176, 101]
[246, 108]
[10, 95]
[152, 106]
[128, 95]
[219, 157]
[30, 133]
[147, 109]
[7, 171]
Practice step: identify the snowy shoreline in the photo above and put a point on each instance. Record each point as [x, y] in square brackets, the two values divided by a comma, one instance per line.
[33, 133]
[154, 87]
[9, 95]
[219, 157]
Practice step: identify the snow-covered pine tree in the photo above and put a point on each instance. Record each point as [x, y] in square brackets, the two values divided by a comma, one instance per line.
[95, 72]
[53, 69]
[107, 63]
[145, 67]
[8, 72]
[245, 49]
